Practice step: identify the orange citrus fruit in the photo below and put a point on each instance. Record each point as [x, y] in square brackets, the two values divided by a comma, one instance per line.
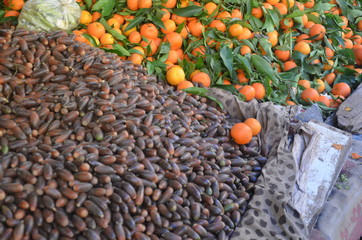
[254, 125]
[248, 92]
[342, 89]
[96, 29]
[241, 133]
[202, 78]
[310, 94]
[85, 17]
[175, 75]
[259, 90]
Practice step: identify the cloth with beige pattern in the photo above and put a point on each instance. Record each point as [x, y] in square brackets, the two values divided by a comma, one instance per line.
[270, 213]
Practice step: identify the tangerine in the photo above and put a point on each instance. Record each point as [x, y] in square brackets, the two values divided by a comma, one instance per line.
[11, 13]
[241, 133]
[321, 86]
[289, 65]
[259, 90]
[175, 40]
[149, 30]
[248, 92]
[245, 50]
[245, 34]
[85, 17]
[254, 125]
[107, 39]
[241, 77]
[202, 78]
[114, 23]
[302, 47]
[329, 78]
[317, 30]
[325, 100]
[144, 3]
[196, 28]
[342, 89]
[96, 29]
[184, 84]
[304, 83]
[218, 24]
[310, 94]
[15, 4]
[282, 55]
[175, 75]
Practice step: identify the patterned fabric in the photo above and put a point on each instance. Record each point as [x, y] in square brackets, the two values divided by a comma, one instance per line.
[270, 213]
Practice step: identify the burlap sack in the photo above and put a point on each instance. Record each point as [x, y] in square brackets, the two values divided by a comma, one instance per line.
[270, 213]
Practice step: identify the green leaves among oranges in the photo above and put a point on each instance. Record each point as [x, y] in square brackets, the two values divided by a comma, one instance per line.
[104, 6]
[264, 67]
[190, 11]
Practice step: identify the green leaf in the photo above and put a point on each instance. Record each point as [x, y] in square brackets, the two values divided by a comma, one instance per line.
[265, 44]
[189, 67]
[298, 55]
[290, 78]
[196, 90]
[268, 88]
[245, 64]
[90, 39]
[215, 100]
[88, 3]
[117, 35]
[354, 13]
[13, 20]
[150, 67]
[214, 64]
[335, 38]
[249, 44]
[190, 11]
[118, 49]
[246, 25]
[313, 18]
[348, 54]
[321, 7]
[343, 5]
[275, 17]
[294, 14]
[229, 88]
[268, 24]
[105, 24]
[328, 44]
[283, 48]
[105, 5]
[249, 6]
[256, 23]
[109, 29]
[165, 47]
[158, 22]
[264, 67]
[142, 11]
[180, 27]
[227, 58]
[202, 92]
[163, 57]
[311, 69]
[200, 63]
[134, 23]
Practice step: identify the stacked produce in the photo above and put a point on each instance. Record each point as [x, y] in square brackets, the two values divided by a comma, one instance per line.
[294, 51]
[94, 148]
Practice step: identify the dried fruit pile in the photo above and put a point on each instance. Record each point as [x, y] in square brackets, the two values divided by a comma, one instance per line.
[94, 148]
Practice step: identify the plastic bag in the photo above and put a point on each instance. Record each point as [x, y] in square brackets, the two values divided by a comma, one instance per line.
[49, 15]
